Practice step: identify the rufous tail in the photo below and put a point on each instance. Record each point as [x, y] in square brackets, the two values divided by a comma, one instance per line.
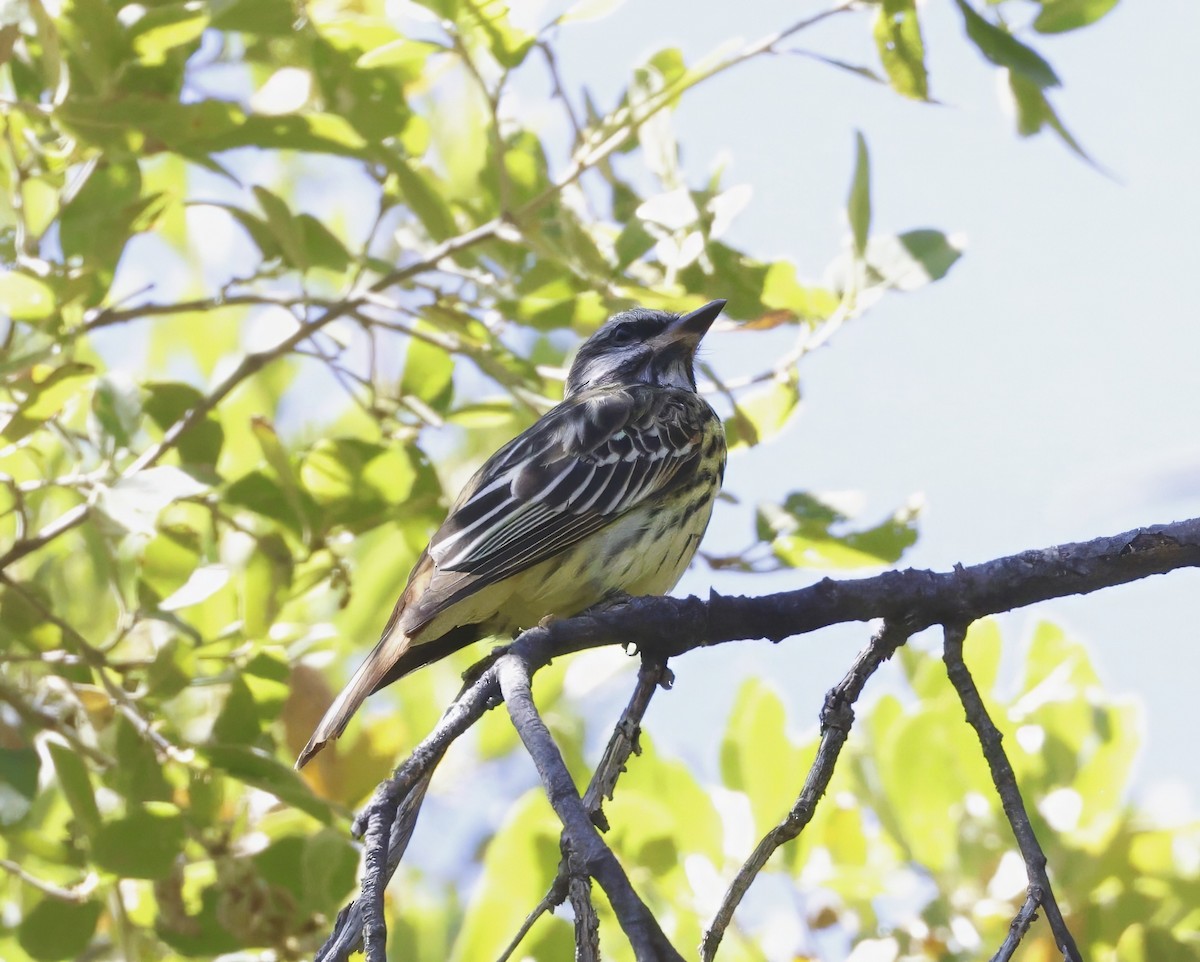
[377, 665]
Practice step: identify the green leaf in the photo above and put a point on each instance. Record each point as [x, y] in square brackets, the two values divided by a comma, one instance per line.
[18, 783]
[858, 205]
[167, 402]
[322, 247]
[901, 49]
[25, 298]
[356, 481]
[1058, 16]
[138, 774]
[644, 813]
[929, 762]
[161, 29]
[98, 222]
[54, 929]
[143, 844]
[508, 44]
[762, 414]
[428, 373]
[802, 535]
[268, 17]
[758, 758]
[76, 785]
[1004, 50]
[405, 55]
[253, 766]
[908, 261]
[134, 503]
[238, 721]
[782, 291]
[1034, 112]
[518, 864]
[284, 227]
[418, 191]
[117, 406]
[329, 871]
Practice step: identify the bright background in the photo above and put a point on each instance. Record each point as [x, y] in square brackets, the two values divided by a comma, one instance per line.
[1059, 408]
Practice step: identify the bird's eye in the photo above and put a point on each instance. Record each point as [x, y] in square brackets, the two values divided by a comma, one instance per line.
[622, 334]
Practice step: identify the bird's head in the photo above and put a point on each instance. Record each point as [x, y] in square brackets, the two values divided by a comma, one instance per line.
[643, 347]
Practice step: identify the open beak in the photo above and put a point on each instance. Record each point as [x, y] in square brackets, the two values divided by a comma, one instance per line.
[690, 328]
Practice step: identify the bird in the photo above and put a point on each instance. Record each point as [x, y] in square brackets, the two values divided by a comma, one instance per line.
[606, 495]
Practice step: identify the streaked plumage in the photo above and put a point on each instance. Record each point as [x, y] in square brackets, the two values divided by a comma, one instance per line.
[608, 493]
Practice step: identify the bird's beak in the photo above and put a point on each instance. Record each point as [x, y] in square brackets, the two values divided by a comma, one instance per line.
[690, 328]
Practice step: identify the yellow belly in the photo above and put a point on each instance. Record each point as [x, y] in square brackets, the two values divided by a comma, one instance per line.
[642, 553]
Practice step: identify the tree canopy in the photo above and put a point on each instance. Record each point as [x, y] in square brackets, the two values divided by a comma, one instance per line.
[277, 276]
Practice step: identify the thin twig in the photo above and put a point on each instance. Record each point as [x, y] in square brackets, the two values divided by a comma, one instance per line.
[587, 924]
[1005, 781]
[1019, 925]
[251, 364]
[98, 662]
[347, 935]
[837, 715]
[641, 928]
[77, 893]
[108, 316]
[38, 717]
[621, 744]
[385, 811]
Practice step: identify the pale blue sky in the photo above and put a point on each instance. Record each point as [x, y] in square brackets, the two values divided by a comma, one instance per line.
[1044, 392]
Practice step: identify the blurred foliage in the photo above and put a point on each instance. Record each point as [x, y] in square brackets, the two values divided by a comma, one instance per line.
[275, 276]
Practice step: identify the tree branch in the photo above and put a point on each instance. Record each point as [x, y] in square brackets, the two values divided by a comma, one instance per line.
[837, 716]
[621, 744]
[76, 894]
[668, 627]
[1005, 781]
[1019, 926]
[909, 600]
[646, 938]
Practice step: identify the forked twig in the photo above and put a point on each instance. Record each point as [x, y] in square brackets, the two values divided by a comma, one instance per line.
[1005, 781]
[641, 928]
[621, 744]
[837, 715]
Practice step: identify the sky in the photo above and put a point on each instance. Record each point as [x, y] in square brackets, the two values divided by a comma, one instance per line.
[1044, 392]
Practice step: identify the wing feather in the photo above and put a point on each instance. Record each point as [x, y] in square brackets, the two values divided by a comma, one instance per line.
[582, 466]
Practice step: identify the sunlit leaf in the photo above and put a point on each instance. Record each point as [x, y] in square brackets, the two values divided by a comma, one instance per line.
[1034, 112]
[1004, 50]
[142, 844]
[858, 205]
[255, 767]
[1058, 16]
[54, 929]
[76, 784]
[901, 48]
[134, 503]
[18, 783]
[25, 298]
[762, 413]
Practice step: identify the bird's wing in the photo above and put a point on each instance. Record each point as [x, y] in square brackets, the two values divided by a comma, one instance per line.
[579, 468]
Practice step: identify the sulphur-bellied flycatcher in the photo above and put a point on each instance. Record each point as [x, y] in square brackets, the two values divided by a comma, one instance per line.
[608, 493]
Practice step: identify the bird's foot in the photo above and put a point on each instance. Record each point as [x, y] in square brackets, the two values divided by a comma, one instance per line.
[615, 600]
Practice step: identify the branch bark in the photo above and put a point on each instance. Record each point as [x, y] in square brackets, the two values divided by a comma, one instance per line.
[584, 841]
[836, 718]
[1005, 781]
[908, 601]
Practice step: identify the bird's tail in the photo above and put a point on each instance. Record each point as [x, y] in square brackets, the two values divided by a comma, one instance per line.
[367, 679]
